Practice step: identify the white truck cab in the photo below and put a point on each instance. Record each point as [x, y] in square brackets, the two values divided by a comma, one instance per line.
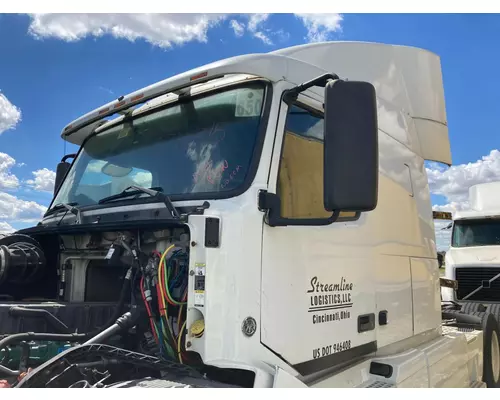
[276, 230]
[473, 259]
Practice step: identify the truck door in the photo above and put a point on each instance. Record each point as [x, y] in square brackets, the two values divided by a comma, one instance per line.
[318, 300]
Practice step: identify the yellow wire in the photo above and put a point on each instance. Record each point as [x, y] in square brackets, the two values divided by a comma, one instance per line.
[179, 318]
[164, 290]
[160, 272]
[162, 260]
[179, 341]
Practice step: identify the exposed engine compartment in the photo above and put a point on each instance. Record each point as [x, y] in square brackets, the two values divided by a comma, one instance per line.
[124, 290]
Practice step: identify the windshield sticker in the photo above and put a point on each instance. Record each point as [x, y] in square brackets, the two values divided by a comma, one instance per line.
[248, 103]
[329, 302]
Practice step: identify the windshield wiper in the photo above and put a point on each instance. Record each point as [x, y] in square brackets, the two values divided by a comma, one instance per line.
[58, 206]
[127, 193]
[71, 207]
[138, 190]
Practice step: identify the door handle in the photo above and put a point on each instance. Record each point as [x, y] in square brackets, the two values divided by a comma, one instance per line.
[366, 322]
[382, 317]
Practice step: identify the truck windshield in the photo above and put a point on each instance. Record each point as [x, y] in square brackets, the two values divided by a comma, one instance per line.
[470, 233]
[202, 145]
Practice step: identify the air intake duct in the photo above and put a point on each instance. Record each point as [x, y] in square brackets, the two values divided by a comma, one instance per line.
[21, 259]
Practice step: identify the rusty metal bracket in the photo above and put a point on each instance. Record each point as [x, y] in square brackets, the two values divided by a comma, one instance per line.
[448, 283]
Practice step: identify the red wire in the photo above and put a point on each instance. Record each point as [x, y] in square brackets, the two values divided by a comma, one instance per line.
[160, 304]
[148, 310]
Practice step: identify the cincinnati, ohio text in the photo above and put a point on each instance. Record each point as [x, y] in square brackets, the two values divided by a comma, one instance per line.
[330, 316]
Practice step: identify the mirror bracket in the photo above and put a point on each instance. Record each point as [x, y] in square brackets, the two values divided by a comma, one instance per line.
[291, 95]
[270, 205]
[68, 156]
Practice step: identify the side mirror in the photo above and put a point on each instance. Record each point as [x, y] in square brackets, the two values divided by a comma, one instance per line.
[61, 171]
[350, 147]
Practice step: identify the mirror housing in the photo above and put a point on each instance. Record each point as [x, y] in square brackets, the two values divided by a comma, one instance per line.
[61, 171]
[350, 146]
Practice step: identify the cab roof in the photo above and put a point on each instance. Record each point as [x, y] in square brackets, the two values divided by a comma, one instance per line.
[407, 80]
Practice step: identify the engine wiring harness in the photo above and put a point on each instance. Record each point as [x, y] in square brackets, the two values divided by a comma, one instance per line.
[153, 299]
[163, 287]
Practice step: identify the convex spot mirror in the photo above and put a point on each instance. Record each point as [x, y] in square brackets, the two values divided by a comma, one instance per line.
[350, 146]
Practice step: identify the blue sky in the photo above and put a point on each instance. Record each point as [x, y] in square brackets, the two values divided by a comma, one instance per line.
[56, 67]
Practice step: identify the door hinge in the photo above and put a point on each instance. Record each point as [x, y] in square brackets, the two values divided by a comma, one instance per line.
[265, 200]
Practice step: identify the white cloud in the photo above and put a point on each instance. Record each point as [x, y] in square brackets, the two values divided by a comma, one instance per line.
[43, 178]
[10, 115]
[262, 36]
[256, 27]
[255, 21]
[107, 90]
[43, 181]
[320, 26]
[13, 208]
[238, 27]
[5, 228]
[163, 30]
[282, 35]
[7, 179]
[454, 182]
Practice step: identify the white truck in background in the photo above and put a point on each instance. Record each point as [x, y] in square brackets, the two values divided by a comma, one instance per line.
[278, 232]
[473, 259]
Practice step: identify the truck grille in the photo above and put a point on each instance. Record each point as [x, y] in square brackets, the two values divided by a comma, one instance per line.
[470, 278]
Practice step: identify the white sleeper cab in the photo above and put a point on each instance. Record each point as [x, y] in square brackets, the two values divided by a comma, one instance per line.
[261, 221]
[473, 259]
